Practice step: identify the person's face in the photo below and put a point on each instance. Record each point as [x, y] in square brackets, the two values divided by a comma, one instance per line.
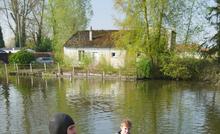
[71, 129]
[125, 129]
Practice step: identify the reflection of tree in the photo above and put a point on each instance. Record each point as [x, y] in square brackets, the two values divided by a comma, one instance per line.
[213, 114]
[6, 94]
[148, 104]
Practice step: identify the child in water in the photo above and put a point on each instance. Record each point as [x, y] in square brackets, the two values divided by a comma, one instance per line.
[125, 127]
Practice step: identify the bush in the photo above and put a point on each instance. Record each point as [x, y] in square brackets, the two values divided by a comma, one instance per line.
[21, 57]
[45, 46]
[181, 68]
[105, 66]
[143, 67]
[86, 61]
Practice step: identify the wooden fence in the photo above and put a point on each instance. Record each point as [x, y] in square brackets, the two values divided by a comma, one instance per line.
[60, 71]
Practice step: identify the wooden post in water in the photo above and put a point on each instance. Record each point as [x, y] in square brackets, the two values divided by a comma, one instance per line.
[6, 71]
[14, 66]
[73, 71]
[119, 73]
[45, 67]
[103, 74]
[58, 68]
[31, 68]
[87, 73]
[16, 69]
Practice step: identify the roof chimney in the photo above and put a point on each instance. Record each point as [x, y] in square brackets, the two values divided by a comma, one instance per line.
[90, 34]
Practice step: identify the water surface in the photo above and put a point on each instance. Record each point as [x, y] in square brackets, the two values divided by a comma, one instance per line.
[98, 106]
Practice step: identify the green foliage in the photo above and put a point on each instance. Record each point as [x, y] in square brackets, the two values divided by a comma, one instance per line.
[86, 61]
[214, 15]
[2, 43]
[143, 67]
[65, 18]
[181, 68]
[142, 26]
[105, 66]
[21, 57]
[45, 46]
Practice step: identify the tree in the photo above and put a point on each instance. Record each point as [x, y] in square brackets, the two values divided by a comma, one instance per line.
[2, 43]
[65, 18]
[37, 23]
[143, 28]
[17, 13]
[214, 18]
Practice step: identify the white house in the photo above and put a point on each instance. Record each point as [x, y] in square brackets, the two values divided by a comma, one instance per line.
[98, 44]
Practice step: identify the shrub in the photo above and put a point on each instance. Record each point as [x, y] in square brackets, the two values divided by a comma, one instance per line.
[45, 46]
[143, 67]
[86, 61]
[21, 57]
[105, 66]
[181, 68]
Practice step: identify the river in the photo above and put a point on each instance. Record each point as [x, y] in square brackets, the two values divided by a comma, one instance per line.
[98, 106]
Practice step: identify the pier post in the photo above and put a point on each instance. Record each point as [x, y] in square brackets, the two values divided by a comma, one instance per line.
[16, 68]
[58, 68]
[31, 68]
[45, 67]
[73, 72]
[6, 71]
[119, 73]
[103, 74]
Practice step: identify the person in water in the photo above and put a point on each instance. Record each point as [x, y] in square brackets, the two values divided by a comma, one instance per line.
[125, 127]
[62, 123]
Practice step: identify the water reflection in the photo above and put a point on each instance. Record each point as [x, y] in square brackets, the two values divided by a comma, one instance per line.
[26, 104]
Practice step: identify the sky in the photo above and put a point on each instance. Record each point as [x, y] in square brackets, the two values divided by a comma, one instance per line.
[102, 19]
[103, 15]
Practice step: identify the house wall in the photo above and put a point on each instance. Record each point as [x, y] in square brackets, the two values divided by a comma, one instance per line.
[114, 57]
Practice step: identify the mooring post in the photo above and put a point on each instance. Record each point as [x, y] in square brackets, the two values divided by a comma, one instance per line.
[103, 74]
[45, 67]
[31, 68]
[73, 71]
[6, 71]
[58, 68]
[16, 68]
[119, 73]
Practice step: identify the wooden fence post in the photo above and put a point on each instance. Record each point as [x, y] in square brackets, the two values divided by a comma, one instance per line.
[31, 68]
[6, 71]
[103, 74]
[16, 68]
[45, 67]
[119, 73]
[58, 68]
[73, 71]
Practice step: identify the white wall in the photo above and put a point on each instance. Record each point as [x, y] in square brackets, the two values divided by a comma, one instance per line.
[97, 53]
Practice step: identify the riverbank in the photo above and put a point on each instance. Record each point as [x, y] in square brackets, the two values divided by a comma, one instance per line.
[210, 74]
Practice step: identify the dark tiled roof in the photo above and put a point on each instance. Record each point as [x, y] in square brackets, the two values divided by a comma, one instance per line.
[100, 39]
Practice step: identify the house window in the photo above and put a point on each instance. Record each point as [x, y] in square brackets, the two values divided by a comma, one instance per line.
[113, 54]
[81, 54]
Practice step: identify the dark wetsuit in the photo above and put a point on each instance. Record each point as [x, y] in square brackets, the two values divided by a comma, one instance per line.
[60, 123]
